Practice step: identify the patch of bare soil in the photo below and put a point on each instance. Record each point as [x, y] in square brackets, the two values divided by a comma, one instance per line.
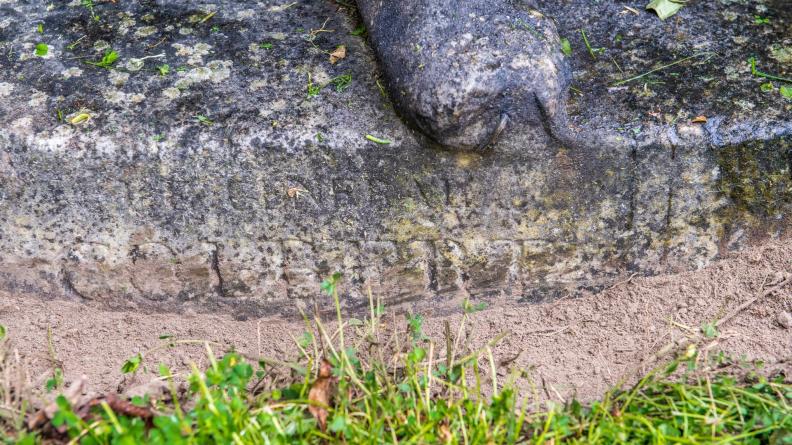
[575, 346]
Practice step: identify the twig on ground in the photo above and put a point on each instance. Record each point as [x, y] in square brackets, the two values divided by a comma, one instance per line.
[682, 343]
[753, 300]
[627, 281]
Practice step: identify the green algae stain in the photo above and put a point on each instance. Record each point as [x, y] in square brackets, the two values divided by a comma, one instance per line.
[408, 229]
[756, 178]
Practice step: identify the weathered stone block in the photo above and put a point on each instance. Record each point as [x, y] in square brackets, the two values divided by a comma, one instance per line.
[223, 183]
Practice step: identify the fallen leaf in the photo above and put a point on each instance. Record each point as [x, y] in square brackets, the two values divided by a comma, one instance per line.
[42, 49]
[665, 8]
[124, 407]
[444, 433]
[566, 47]
[295, 192]
[338, 54]
[80, 118]
[321, 394]
[699, 120]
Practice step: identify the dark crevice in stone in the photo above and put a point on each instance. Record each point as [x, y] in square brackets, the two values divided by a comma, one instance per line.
[134, 253]
[215, 264]
[666, 232]
[68, 284]
[140, 291]
[632, 188]
[431, 269]
[421, 191]
[547, 122]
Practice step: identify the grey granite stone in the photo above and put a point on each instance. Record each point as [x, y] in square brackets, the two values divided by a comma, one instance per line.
[224, 184]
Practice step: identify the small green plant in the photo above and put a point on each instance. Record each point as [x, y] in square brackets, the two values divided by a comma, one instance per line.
[40, 28]
[755, 71]
[265, 45]
[74, 44]
[313, 89]
[163, 69]
[522, 24]
[786, 91]
[415, 325]
[89, 5]
[759, 20]
[566, 47]
[42, 49]
[593, 52]
[709, 330]
[703, 55]
[108, 59]
[359, 31]
[341, 83]
[470, 308]
[200, 118]
[132, 364]
[56, 381]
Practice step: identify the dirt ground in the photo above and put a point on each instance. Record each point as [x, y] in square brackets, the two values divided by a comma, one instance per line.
[574, 346]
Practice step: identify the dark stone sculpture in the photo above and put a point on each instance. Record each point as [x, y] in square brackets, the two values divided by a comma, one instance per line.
[463, 71]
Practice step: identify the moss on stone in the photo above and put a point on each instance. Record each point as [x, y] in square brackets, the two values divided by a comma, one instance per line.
[756, 178]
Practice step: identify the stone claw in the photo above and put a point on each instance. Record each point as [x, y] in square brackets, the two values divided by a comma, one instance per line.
[462, 70]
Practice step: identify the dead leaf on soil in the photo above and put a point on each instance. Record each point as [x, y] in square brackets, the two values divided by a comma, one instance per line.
[124, 407]
[321, 394]
[338, 54]
[699, 120]
[444, 433]
[666, 8]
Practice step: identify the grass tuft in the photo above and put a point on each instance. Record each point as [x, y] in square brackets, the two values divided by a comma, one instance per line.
[369, 382]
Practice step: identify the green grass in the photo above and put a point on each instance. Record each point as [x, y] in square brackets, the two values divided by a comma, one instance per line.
[108, 59]
[399, 387]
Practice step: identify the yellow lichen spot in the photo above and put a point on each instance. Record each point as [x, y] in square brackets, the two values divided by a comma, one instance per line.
[465, 160]
[450, 220]
[406, 229]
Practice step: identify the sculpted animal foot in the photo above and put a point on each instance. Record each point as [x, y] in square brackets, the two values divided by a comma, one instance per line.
[464, 71]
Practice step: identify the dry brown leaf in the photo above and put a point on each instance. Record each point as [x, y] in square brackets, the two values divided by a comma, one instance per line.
[295, 192]
[321, 394]
[699, 120]
[444, 433]
[338, 54]
[126, 408]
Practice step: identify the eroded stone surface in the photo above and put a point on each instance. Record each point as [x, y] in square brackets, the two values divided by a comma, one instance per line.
[222, 183]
